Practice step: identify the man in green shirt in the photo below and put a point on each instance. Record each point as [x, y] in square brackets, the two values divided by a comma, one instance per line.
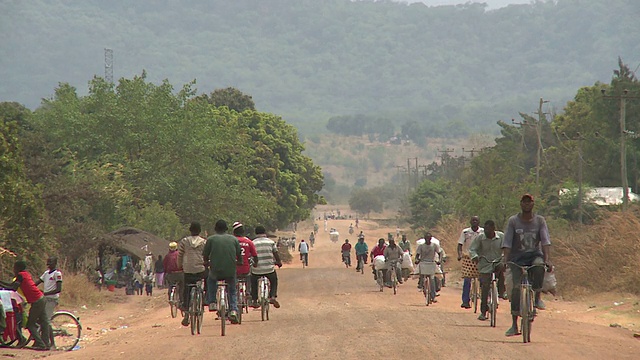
[223, 253]
[485, 249]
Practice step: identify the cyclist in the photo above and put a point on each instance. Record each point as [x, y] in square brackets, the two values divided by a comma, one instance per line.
[191, 261]
[223, 254]
[469, 269]
[362, 250]
[350, 229]
[303, 249]
[377, 251]
[405, 244]
[38, 323]
[268, 259]
[489, 246]
[346, 252]
[393, 255]
[52, 279]
[526, 243]
[425, 255]
[249, 254]
[172, 272]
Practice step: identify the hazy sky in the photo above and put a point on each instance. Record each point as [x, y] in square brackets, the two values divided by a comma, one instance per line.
[492, 4]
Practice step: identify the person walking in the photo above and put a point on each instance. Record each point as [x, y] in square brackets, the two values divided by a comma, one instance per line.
[469, 268]
[223, 254]
[526, 243]
[190, 259]
[159, 269]
[268, 259]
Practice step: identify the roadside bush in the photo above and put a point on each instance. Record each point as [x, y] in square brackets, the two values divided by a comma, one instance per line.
[285, 255]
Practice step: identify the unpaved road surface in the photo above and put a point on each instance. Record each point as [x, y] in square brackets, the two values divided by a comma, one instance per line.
[330, 312]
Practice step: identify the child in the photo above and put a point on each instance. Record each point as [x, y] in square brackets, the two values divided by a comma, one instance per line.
[148, 283]
[138, 281]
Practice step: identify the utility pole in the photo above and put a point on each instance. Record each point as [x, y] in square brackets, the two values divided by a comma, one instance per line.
[108, 65]
[472, 151]
[623, 150]
[444, 158]
[539, 133]
[579, 138]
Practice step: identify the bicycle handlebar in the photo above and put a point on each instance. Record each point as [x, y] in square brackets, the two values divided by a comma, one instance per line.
[498, 260]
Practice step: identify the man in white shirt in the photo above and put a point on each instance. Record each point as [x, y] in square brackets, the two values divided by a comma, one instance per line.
[52, 279]
[303, 249]
[469, 268]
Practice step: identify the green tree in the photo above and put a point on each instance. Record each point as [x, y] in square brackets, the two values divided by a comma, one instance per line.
[232, 98]
[365, 201]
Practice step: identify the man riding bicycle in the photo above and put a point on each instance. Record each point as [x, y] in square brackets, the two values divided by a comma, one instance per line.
[223, 254]
[268, 259]
[172, 272]
[393, 257]
[526, 243]
[249, 254]
[191, 261]
[377, 251]
[425, 259]
[485, 249]
[362, 250]
[346, 252]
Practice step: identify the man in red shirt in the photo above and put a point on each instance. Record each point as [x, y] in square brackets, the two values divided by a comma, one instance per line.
[346, 252]
[35, 297]
[376, 251]
[172, 272]
[248, 251]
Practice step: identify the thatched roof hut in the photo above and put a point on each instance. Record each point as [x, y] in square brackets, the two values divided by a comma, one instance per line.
[137, 243]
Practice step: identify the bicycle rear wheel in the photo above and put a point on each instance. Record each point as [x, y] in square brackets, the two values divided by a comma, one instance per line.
[200, 315]
[426, 290]
[65, 330]
[173, 303]
[263, 308]
[223, 318]
[193, 310]
[493, 303]
[380, 279]
[241, 300]
[394, 281]
[525, 311]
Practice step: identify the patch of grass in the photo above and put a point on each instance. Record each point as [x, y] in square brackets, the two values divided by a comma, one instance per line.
[77, 290]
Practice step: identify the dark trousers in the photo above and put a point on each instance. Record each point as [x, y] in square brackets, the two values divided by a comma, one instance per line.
[305, 257]
[485, 287]
[38, 318]
[536, 276]
[190, 279]
[177, 279]
[273, 280]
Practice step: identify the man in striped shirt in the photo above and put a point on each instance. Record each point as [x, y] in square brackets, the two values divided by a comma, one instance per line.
[268, 259]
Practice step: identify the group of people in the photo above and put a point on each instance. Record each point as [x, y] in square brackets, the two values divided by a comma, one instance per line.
[222, 257]
[42, 302]
[482, 251]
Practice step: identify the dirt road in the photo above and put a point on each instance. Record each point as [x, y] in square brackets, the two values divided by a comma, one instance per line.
[330, 312]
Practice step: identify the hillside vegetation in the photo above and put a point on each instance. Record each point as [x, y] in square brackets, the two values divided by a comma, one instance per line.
[455, 68]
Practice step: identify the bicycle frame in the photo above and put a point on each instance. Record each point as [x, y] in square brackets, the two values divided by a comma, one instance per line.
[527, 296]
[264, 287]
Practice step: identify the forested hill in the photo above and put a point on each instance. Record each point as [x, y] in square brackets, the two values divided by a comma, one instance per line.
[309, 60]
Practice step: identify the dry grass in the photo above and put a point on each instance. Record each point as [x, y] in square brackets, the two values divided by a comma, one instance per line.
[77, 290]
[599, 258]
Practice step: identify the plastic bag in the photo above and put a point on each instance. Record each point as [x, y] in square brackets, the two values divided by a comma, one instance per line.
[378, 263]
[407, 263]
[549, 283]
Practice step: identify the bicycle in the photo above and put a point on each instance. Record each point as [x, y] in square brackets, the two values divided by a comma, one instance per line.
[243, 303]
[492, 300]
[360, 267]
[346, 259]
[223, 301]
[474, 294]
[380, 279]
[65, 333]
[264, 288]
[527, 296]
[393, 265]
[196, 306]
[426, 286]
[174, 300]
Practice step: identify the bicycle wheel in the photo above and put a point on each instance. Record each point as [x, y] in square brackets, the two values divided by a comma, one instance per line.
[268, 310]
[65, 330]
[193, 310]
[394, 281]
[380, 279]
[426, 290]
[172, 303]
[223, 318]
[493, 303]
[200, 315]
[474, 294]
[525, 313]
[263, 308]
[240, 300]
